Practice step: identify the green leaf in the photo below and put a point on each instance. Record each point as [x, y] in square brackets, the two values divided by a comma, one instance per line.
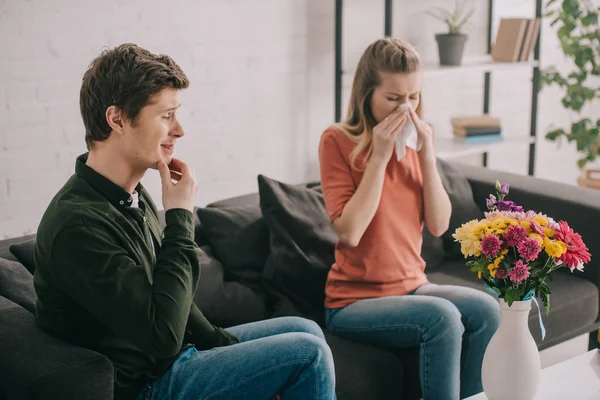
[555, 134]
[513, 294]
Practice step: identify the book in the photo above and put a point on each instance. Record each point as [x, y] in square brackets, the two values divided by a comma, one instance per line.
[479, 139]
[509, 39]
[472, 121]
[533, 32]
[476, 131]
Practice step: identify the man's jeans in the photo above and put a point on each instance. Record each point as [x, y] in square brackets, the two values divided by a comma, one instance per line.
[452, 325]
[283, 356]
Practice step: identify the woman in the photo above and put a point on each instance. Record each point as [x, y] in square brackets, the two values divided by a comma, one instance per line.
[378, 199]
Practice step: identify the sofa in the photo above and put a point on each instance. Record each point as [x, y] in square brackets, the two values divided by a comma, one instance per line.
[267, 254]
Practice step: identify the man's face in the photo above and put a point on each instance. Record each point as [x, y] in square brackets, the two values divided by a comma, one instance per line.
[151, 138]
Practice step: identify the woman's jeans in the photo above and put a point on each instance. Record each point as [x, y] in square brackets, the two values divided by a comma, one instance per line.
[451, 324]
[283, 356]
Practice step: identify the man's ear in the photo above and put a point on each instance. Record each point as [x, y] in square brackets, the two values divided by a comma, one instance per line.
[114, 118]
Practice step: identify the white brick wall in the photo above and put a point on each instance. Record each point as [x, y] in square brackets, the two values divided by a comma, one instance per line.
[261, 89]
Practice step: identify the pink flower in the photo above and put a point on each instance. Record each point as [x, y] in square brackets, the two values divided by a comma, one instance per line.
[491, 246]
[536, 228]
[577, 252]
[519, 273]
[529, 249]
[515, 235]
[501, 273]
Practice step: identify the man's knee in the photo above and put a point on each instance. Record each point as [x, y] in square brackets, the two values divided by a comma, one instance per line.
[298, 324]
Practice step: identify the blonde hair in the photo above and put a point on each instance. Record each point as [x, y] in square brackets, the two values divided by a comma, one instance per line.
[384, 55]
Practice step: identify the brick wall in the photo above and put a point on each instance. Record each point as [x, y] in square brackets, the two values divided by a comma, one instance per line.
[261, 89]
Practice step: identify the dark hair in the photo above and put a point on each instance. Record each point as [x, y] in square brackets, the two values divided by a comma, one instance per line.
[127, 77]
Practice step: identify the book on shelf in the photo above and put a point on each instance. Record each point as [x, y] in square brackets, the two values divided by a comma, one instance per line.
[515, 39]
[490, 138]
[476, 131]
[475, 121]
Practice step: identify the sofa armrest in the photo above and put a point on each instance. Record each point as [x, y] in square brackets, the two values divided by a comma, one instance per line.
[579, 206]
[34, 365]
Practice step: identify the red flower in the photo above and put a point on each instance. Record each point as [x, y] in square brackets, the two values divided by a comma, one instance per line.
[577, 252]
[529, 249]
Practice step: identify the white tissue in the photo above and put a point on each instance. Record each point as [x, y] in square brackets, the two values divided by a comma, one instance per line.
[408, 136]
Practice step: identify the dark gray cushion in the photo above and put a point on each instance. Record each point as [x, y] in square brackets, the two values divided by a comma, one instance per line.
[302, 244]
[464, 207]
[5, 246]
[226, 303]
[432, 250]
[573, 302]
[240, 239]
[24, 253]
[34, 365]
[16, 284]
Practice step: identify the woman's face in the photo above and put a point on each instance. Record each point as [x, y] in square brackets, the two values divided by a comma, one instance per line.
[395, 89]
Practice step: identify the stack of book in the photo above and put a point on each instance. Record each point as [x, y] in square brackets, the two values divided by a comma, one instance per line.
[516, 39]
[477, 129]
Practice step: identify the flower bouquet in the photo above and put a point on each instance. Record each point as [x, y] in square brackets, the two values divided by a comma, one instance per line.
[514, 251]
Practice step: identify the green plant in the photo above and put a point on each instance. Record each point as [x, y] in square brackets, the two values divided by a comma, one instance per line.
[579, 36]
[456, 19]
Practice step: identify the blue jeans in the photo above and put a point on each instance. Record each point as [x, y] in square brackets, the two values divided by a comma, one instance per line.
[282, 356]
[451, 324]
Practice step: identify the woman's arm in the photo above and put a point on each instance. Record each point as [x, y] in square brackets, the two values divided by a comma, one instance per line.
[437, 206]
[359, 211]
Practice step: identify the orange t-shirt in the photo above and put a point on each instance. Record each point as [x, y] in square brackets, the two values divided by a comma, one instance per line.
[387, 260]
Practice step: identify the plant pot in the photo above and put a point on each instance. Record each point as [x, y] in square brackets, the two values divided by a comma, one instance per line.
[450, 48]
[511, 363]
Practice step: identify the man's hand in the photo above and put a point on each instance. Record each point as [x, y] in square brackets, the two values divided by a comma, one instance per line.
[179, 194]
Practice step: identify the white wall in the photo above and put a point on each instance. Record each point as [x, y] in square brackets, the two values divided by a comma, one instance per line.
[261, 89]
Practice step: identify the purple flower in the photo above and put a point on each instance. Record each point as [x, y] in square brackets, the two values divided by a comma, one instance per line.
[491, 202]
[529, 249]
[508, 205]
[519, 273]
[504, 188]
[491, 246]
[514, 235]
[501, 273]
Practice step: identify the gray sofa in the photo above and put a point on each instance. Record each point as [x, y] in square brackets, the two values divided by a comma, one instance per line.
[35, 365]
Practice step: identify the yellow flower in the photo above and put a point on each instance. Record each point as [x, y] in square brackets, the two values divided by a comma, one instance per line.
[547, 241]
[469, 241]
[526, 225]
[492, 268]
[479, 274]
[537, 237]
[548, 232]
[511, 221]
[503, 252]
[556, 249]
[541, 220]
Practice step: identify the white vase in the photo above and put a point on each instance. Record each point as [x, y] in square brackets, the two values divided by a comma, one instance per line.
[511, 364]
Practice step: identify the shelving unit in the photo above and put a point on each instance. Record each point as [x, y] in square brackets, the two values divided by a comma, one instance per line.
[447, 147]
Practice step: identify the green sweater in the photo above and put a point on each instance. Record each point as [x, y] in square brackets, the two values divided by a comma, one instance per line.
[109, 279]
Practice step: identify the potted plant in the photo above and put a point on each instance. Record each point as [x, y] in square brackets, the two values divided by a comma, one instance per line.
[451, 45]
[577, 28]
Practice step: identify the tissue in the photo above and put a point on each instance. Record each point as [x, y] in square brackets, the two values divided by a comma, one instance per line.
[408, 136]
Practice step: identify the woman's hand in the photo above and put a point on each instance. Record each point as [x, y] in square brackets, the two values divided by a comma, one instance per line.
[425, 134]
[384, 135]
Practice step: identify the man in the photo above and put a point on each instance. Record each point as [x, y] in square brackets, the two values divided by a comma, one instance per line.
[108, 279]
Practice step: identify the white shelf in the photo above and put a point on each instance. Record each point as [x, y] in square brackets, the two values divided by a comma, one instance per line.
[473, 64]
[478, 64]
[448, 147]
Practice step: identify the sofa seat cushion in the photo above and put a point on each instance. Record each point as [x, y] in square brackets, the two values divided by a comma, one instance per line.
[573, 301]
[35, 365]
